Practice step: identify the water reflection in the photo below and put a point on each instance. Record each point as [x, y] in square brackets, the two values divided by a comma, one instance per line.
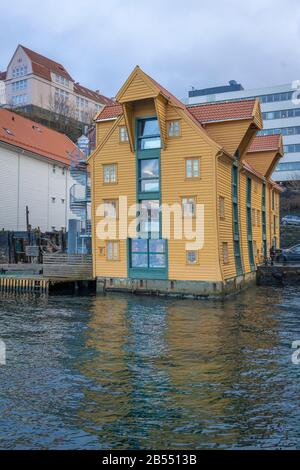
[135, 372]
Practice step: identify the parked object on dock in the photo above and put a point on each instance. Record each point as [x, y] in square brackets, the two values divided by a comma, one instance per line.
[290, 220]
[289, 255]
[278, 275]
[157, 152]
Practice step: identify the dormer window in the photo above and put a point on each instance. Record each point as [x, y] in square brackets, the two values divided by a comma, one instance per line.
[148, 134]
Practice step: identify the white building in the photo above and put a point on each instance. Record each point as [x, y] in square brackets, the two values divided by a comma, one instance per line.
[281, 114]
[2, 89]
[34, 172]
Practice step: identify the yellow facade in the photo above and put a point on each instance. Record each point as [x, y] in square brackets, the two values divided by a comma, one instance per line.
[214, 148]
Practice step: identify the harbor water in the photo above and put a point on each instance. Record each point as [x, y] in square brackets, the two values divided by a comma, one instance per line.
[132, 372]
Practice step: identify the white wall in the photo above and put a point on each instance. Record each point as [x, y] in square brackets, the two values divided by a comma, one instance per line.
[2, 93]
[25, 180]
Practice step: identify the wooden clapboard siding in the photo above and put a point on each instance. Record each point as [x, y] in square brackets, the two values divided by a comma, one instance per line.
[229, 134]
[256, 203]
[112, 152]
[224, 189]
[102, 130]
[160, 106]
[243, 221]
[261, 161]
[174, 186]
[137, 89]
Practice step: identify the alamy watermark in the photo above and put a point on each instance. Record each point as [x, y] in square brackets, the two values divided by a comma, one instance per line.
[183, 221]
[2, 353]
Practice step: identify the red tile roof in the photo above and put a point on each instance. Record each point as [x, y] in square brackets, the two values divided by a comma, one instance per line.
[42, 66]
[92, 95]
[110, 112]
[263, 143]
[2, 75]
[202, 113]
[29, 135]
[223, 111]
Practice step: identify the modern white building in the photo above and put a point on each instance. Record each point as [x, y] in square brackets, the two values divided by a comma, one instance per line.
[34, 173]
[281, 114]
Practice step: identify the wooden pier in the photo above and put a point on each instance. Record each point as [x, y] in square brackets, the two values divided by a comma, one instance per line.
[24, 284]
[61, 273]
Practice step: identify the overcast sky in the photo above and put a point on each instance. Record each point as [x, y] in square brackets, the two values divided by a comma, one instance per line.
[181, 43]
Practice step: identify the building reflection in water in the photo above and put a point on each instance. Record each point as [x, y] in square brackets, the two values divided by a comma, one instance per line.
[182, 374]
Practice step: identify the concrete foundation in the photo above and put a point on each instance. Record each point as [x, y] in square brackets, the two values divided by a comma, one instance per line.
[180, 289]
[278, 275]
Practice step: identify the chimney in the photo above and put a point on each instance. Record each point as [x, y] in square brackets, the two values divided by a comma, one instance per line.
[97, 91]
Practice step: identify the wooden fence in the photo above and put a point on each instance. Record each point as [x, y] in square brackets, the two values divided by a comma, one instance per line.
[68, 266]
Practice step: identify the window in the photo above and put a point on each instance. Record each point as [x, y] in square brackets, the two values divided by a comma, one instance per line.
[62, 80]
[173, 128]
[148, 253]
[253, 216]
[63, 170]
[19, 71]
[112, 250]
[225, 252]
[53, 200]
[148, 134]
[110, 208]
[192, 257]
[188, 206]
[62, 201]
[19, 85]
[149, 218]
[273, 199]
[53, 169]
[19, 100]
[149, 175]
[110, 173]
[222, 207]
[192, 167]
[123, 134]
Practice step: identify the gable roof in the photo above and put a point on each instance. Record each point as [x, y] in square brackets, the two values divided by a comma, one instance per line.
[42, 66]
[110, 112]
[33, 137]
[264, 143]
[92, 95]
[202, 114]
[216, 112]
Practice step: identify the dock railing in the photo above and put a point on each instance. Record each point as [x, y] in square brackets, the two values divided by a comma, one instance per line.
[72, 266]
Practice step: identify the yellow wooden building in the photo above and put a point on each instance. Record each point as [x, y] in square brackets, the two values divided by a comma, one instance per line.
[152, 153]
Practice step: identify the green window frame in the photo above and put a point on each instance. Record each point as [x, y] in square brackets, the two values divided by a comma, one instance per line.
[235, 221]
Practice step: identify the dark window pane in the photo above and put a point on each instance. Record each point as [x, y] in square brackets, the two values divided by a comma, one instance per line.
[156, 246]
[148, 127]
[150, 143]
[139, 260]
[157, 261]
[149, 185]
[139, 245]
[150, 168]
